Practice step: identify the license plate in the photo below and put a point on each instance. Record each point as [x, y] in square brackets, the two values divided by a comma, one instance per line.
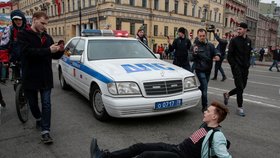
[168, 104]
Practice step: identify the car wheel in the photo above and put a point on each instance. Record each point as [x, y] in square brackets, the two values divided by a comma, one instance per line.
[98, 107]
[62, 81]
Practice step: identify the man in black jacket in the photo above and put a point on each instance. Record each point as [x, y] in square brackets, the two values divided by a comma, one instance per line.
[37, 51]
[239, 59]
[204, 53]
[181, 45]
[276, 58]
[222, 49]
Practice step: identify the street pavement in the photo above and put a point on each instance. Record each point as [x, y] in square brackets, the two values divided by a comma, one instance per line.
[73, 124]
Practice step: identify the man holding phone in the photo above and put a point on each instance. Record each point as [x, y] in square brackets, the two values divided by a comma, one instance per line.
[38, 50]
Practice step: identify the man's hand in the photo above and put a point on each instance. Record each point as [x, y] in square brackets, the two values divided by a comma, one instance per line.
[55, 48]
[216, 58]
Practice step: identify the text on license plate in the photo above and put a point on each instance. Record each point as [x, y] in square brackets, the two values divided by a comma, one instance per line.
[168, 104]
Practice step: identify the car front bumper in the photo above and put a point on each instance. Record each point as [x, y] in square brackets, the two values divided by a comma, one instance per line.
[140, 106]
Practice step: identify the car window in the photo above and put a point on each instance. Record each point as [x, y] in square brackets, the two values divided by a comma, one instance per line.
[80, 47]
[71, 45]
[117, 49]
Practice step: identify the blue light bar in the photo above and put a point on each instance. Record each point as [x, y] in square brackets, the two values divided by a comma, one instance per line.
[90, 32]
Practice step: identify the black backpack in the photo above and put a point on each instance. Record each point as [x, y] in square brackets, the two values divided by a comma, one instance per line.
[210, 143]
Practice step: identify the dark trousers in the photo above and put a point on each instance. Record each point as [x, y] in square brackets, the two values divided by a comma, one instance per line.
[218, 66]
[182, 62]
[203, 78]
[240, 76]
[275, 63]
[147, 150]
[45, 115]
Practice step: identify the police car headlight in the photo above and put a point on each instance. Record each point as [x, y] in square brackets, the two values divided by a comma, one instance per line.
[124, 88]
[189, 82]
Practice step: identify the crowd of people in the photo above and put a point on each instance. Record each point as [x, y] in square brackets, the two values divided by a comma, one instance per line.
[29, 50]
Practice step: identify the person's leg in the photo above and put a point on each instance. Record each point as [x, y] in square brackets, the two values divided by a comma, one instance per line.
[273, 63]
[139, 148]
[222, 72]
[46, 110]
[277, 65]
[2, 102]
[202, 77]
[217, 65]
[32, 98]
[186, 65]
[158, 154]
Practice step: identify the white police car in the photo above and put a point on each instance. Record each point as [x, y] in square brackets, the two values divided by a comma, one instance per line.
[123, 78]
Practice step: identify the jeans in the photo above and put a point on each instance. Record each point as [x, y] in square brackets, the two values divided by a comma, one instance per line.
[45, 115]
[203, 78]
[240, 76]
[147, 150]
[218, 66]
[275, 62]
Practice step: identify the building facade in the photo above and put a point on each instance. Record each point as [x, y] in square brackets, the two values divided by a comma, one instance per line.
[252, 16]
[267, 8]
[234, 13]
[267, 32]
[159, 18]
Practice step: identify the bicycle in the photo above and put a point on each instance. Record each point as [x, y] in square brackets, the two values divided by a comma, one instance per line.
[22, 106]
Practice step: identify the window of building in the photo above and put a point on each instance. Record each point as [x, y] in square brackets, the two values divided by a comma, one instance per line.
[55, 31]
[165, 31]
[118, 25]
[59, 31]
[144, 3]
[175, 31]
[176, 7]
[63, 8]
[199, 12]
[226, 22]
[186, 9]
[73, 3]
[131, 2]
[166, 5]
[210, 15]
[132, 28]
[145, 29]
[68, 8]
[156, 5]
[220, 17]
[193, 10]
[83, 4]
[3, 10]
[89, 3]
[215, 17]
[155, 30]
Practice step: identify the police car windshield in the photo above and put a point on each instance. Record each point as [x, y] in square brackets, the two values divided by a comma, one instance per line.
[117, 49]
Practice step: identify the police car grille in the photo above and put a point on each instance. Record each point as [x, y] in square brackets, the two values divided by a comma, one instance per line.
[163, 87]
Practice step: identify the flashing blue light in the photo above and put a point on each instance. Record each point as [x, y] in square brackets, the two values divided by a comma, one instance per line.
[89, 32]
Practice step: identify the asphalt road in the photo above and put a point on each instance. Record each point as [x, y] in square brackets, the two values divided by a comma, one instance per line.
[73, 124]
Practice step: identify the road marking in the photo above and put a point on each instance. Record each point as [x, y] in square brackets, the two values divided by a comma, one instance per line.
[261, 83]
[245, 99]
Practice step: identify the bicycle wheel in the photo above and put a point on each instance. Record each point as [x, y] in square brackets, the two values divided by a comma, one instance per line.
[21, 104]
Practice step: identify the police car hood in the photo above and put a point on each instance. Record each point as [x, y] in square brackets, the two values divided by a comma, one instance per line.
[139, 69]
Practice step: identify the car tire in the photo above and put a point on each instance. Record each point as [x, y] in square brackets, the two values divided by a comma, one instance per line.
[62, 81]
[98, 107]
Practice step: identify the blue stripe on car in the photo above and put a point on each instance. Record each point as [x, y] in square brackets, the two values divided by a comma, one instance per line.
[87, 70]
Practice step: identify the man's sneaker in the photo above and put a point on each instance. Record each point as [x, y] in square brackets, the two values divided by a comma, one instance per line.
[224, 78]
[269, 69]
[46, 138]
[226, 97]
[38, 124]
[3, 104]
[95, 152]
[240, 112]
[214, 78]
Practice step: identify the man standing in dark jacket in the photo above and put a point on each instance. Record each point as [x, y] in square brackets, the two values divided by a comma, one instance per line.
[181, 45]
[222, 49]
[204, 53]
[239, 59]
[276, 58]
[38, 50]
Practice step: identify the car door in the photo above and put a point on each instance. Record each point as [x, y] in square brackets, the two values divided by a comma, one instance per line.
[67, 65]
[78, 68]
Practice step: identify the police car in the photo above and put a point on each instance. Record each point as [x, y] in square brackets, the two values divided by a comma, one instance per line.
[123, 78]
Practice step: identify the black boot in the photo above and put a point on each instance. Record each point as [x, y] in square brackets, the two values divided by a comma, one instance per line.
[224, 78]
[214, 78]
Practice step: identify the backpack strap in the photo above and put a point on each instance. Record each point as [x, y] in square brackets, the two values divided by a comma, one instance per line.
[210, 142]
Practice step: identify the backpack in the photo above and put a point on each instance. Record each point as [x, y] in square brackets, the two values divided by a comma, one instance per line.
[210, 143]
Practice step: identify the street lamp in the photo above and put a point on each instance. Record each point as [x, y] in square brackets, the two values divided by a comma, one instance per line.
[80, 17]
